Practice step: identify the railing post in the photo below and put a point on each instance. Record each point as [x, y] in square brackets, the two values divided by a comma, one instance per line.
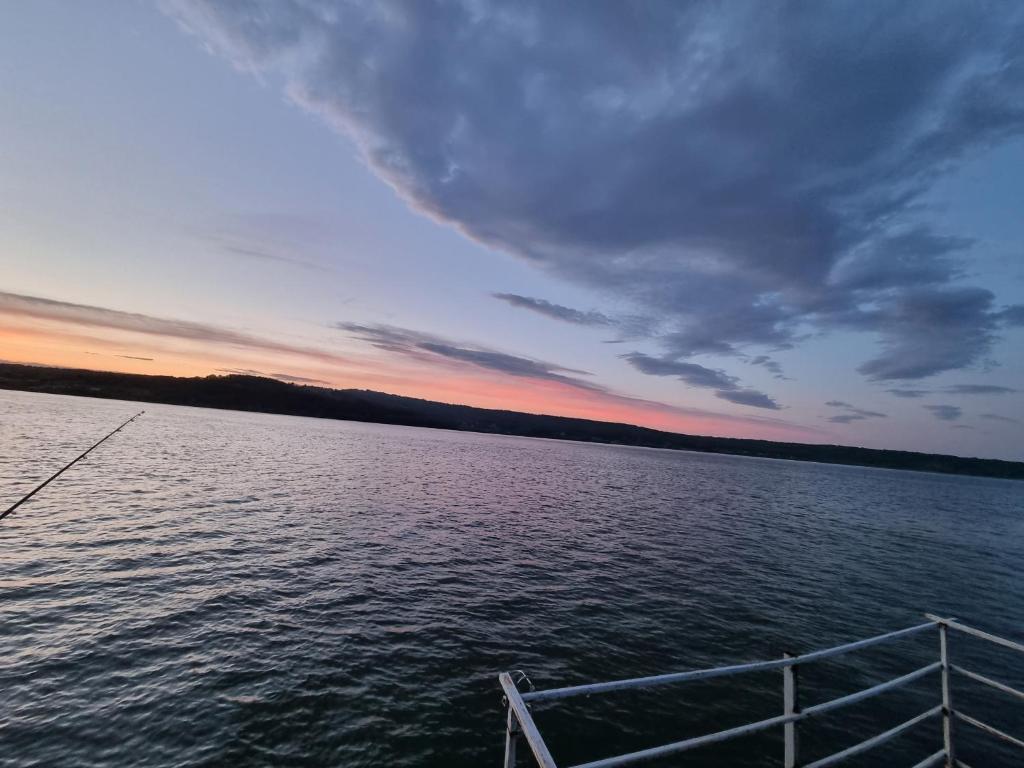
[791, 706]
[947, 700]
[511, 739]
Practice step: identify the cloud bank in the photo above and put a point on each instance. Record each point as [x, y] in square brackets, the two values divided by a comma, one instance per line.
[429, 348]
[87, 316]
[726, 387]
[978, 389]
[744, 174]
[954, 389]
[434, 350]
[556, 311]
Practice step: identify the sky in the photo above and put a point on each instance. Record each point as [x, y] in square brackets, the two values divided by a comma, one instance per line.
[784, 221]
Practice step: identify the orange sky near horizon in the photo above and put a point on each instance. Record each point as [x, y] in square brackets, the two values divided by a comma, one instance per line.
[69, 345]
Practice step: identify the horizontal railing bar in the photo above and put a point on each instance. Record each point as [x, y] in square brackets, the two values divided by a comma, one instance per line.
[986, 636]
[938, 757]
[987, 681]
[525, 720]
[760, 725]
[874, 741]
[989, 729]
[867, 693]
[687, 744]
[704, 674]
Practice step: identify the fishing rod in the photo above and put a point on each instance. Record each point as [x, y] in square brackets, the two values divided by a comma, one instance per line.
[66, 467]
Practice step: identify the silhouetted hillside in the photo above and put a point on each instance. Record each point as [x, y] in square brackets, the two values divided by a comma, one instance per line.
[235, 392]
[253, 393]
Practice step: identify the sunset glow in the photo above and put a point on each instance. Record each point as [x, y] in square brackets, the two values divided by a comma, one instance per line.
[719, 250]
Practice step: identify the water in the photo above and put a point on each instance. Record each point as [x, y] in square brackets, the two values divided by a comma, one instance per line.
[216, 588]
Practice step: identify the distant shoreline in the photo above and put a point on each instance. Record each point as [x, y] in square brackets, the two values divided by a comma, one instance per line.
[263, 395]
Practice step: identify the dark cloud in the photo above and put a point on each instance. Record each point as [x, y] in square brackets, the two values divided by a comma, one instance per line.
[915, 257]
[977, 389]
[955, 389]
[925, 331]
[556, 311]
[83, 315]
[691, 373]
[908, 393]
[962, 426]
[997, 417]
[1013, 316]
[427, 347]
[499, 361]
[698, 376]
[771, 365]
[851, 413]
[744, 173]
[945, 412]
[846, 418]
[749, 397]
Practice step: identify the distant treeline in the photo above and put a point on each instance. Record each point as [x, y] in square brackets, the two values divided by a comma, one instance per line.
[254, 393]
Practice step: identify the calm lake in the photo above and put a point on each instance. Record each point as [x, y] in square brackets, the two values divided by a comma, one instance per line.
[214, 588]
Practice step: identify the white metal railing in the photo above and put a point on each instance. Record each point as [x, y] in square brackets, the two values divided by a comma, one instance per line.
[521, 726]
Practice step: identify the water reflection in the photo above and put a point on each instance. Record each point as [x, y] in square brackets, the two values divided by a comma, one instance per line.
[216, 588]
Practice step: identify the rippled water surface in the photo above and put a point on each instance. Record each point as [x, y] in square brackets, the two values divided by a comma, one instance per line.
[215, 588]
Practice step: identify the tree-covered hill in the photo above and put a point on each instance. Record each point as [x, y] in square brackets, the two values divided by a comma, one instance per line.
[253, 393]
